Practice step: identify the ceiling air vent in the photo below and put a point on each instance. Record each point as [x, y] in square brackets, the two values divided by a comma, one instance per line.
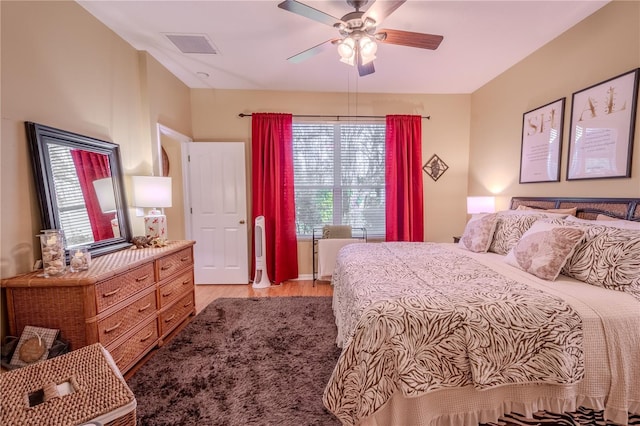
[192, 43]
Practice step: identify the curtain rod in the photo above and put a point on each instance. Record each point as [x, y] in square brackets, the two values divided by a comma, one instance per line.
[337, 117]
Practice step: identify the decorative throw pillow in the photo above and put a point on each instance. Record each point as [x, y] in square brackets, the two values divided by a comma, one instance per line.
[607, 257]
[615, 223]
[570, 211]
[544, 249]
[510, 228]
[479, 232]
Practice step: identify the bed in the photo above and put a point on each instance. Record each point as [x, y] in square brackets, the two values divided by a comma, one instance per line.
[537, 309]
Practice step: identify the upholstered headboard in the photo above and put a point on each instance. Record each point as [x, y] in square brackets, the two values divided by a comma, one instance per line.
[588, 208]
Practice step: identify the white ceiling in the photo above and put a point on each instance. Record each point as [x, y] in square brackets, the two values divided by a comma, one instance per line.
[482, 39]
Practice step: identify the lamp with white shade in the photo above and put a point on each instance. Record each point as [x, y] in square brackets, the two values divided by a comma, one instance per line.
[477, 205]
[107, 200]
[153, 192]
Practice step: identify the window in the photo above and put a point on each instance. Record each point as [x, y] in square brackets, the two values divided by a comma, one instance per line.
[339, 176]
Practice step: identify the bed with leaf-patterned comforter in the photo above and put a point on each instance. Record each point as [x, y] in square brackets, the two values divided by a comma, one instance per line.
[424, 319]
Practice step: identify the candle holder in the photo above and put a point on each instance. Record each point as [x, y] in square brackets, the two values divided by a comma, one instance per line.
[79, 259]
[52, 246]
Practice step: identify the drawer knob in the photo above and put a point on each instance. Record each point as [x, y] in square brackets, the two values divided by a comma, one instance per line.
[186, 304]
[144, 308]
[165, 267]
[119, 360]
[170, 318]
[142, 278]
[147, 336]
[184, 259]
[111, 293]
[167, 294]
[109, 330]
[185, 282]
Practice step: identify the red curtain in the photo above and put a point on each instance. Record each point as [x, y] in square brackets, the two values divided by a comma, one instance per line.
[273, 196]
[403, 178]
[92, 166]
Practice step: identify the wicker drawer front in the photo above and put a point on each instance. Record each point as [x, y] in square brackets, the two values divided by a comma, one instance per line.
[176, 288]
[118, 288]
[171, 264]
[134, 348]
[125, 319]
[173, 316]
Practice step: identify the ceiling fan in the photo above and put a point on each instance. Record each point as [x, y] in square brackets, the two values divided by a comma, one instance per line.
[357, 44]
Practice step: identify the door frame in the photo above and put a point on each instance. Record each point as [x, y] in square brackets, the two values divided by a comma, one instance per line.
[157, 167]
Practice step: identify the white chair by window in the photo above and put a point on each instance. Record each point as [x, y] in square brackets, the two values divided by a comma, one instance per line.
[327, 241]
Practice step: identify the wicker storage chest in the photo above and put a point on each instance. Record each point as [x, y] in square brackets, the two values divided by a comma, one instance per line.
[73, 389]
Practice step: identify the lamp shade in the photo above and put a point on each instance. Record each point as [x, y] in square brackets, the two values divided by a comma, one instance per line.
[481, 205]
[105, 194]
[151, 191]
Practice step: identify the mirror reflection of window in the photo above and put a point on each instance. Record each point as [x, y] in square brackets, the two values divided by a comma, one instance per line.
[81, 215]
[74, 218]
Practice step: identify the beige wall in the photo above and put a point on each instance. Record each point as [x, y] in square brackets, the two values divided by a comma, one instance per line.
[601, 47]
[73, 73]
[63, 68]
[215, 118]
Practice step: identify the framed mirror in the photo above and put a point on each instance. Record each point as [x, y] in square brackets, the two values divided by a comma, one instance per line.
[81, 188]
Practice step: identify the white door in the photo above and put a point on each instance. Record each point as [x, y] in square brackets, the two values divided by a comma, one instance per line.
[217, 194]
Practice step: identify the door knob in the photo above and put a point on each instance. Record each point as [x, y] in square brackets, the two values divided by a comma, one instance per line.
[241, 221]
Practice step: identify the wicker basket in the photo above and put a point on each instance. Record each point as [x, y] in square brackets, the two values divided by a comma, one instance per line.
[80, 387]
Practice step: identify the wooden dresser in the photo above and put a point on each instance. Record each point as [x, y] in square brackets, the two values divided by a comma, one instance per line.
[128, 301]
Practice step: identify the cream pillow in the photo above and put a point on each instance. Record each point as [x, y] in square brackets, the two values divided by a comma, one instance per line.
[610, 221]
[570, 211]
[479, 232]
[544, 248]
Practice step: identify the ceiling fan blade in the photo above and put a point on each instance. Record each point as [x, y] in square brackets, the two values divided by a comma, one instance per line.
[366, 69]
[309, 12]
[381, 9]
[411, 39]
[306, 54]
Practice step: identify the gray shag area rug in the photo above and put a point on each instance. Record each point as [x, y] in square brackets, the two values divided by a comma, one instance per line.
[262, 361]
[256, 361]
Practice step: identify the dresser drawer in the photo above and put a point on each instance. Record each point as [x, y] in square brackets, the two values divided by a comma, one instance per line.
[175, 288]
[174, 315]
[118, 288]
[134, 348]
[115, 325]
[173, 263]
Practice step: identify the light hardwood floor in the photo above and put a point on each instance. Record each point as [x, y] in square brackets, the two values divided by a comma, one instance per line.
[207, 293]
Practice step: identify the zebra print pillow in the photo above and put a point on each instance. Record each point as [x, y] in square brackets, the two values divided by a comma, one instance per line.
[510, 228]
[607, 257]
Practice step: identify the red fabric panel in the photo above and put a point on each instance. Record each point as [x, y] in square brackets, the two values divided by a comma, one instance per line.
[272, 189]
[403, 178]
[92, 166]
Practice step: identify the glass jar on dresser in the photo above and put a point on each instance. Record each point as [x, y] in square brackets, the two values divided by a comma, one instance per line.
[129, 300]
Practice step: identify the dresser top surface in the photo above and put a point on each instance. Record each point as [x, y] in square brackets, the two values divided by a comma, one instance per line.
[102, 267]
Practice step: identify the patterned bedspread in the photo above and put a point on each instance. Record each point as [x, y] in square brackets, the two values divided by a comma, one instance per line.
[420, 317]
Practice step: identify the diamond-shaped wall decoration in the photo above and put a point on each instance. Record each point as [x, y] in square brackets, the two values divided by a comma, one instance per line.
[435, 167]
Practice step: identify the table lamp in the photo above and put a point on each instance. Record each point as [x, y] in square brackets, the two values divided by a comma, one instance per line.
[481, 205]
[153, 192]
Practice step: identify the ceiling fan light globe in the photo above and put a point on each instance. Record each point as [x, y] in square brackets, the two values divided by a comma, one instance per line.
[346, 48]
[368, 47]
[367, 58]
[349, 61]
